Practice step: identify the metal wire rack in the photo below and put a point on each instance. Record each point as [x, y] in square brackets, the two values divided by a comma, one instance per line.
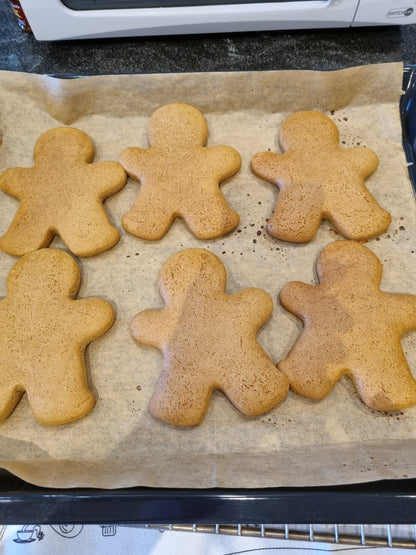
[401, 536]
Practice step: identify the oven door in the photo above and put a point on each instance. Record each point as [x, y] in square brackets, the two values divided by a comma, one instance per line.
[79, 19]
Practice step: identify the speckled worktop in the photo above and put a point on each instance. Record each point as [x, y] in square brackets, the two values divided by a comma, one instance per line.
[323, 49]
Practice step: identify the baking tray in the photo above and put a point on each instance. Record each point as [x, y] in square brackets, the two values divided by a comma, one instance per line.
[392, 502]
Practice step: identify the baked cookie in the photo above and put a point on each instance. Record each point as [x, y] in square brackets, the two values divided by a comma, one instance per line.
[208, 339]
[179, 177]
[62, 194]
[350, 327]
[44, 332]
[319, 180]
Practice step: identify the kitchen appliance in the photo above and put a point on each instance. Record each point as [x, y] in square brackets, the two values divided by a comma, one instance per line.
[80, 19]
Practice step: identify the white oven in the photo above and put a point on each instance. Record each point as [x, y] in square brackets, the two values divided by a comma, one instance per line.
[79, 19]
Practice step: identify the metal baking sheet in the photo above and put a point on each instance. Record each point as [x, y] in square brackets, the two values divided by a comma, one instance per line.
[391, 502]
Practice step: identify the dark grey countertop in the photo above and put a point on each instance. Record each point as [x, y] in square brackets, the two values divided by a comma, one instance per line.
[317, 49]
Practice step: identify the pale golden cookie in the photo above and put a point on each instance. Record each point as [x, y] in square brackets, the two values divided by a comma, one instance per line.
[208, 340]
[62, 194]
[179, 177]
[44, 332]
[319, 180]
[350, 327]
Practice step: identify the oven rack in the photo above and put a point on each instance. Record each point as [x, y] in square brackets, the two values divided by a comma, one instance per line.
[401, 536]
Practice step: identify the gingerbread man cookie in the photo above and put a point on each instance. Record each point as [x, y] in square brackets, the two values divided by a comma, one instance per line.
[319, 180]
[350, 327]
[179, 177]
[62, 194]
[44, 332]
[208, 339]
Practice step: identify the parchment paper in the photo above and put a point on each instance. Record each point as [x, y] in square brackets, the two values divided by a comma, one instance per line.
[300, 442]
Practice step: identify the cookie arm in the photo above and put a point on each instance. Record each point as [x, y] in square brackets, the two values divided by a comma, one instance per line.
[134, 161]
[255, 303]
[403, 310]
[270, 166]
[151, 327]
[15, 181]
[297, 297]
[363, 159]
[106, 178]
[93, 317]
[225, 159]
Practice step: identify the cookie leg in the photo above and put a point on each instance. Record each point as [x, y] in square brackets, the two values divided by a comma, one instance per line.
[260, 390]
[88, 233]
[210, 216]
[149, 218]
[59, 409]
[386, 388]
[296, 218]
[358, 216]
[309, 376]
[10, 395]
[25, 234]
[179, 400]
[62, 396]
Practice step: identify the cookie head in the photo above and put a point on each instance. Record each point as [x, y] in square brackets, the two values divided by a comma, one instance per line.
[49, 270]
[192, 268]
[177, 124]
[341, 259]
[308, 131]
[64, 143]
